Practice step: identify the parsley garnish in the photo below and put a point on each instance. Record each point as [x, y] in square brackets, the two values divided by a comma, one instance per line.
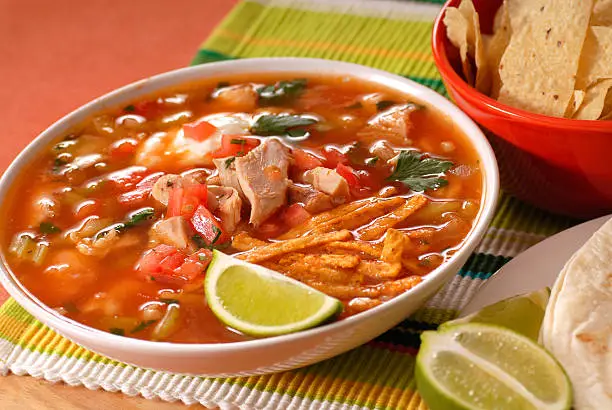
[282, 92]
[170, 301]
[136, 218]
[117, 331]
[418, 173]
[384, 104]
[129, 108]
[237, 141]
[140, 216]
[371, 161]
[142, 326]
[203, 244]
[229, 162]
[280, 125]
[48, 227]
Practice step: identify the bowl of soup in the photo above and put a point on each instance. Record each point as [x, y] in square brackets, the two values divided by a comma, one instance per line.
[356, 182]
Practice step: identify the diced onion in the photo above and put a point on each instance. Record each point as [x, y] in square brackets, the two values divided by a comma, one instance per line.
[22, 245]
[39, 254]
[168, 324]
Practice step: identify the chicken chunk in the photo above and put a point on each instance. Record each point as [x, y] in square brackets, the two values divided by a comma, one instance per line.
[393, 125]
[330, 182]
[227, 203]
[314, 201]
[262, 175]
[173, 231]
[383, 150]
[227, 174]
[162, 187]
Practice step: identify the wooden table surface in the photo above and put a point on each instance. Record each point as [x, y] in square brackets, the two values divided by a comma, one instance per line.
[57, 55]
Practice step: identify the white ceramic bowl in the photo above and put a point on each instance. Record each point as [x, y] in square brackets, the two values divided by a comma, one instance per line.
[276, 353]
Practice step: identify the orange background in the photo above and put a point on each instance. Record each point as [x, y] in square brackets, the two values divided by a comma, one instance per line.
[56, 55]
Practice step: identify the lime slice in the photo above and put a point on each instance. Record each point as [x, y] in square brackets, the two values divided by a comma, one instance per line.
[261, 302]
[482, 366]
[523, 313]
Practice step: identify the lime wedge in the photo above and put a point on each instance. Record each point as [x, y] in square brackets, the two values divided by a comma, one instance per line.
[261, 302]
[482, 366]
[522, 313]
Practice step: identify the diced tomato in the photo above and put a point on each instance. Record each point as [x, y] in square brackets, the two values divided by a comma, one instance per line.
[348, 173]
[167, 264]
[305, 160]
[208, 227]
[87, 208]
[295, 215]
[271, 229]
[235, 145]
[123, 148]
[333, 157]
[127, 178]
[194, 264]
[184, 201]
[199, 130]
[142, 191]
[150, 261]
[148, 109]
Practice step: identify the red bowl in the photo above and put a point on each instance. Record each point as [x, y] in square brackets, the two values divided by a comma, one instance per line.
[562, 165]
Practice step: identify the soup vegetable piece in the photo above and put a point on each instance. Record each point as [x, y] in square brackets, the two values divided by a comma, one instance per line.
[550, 57]
[350, 188]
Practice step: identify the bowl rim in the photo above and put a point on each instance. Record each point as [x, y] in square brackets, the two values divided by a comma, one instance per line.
[438, 41]
[287, 65]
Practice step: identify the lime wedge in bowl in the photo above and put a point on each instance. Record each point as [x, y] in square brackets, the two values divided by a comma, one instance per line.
[261, 302]
[483, 366]
[522, 313]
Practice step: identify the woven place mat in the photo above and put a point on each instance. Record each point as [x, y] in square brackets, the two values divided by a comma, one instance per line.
[392, 36]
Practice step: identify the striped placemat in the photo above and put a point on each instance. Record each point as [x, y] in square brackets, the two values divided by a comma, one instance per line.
[393, 36]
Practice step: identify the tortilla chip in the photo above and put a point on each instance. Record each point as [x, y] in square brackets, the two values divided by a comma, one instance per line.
[378, 270]
[538, 69]
[495, 46]
[596, 57]
[602, 13]
[334, 261]
[272, 250]
[575, 103]
[457, 31]
[476, 48]
[594, 101]
[380, 225]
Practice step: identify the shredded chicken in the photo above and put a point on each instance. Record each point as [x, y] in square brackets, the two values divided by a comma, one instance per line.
[228, 205]
[330, 182]
[262, 174]
[314, 201]
[173, 231]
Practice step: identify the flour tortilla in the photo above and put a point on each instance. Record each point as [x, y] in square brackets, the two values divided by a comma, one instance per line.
[577, 326]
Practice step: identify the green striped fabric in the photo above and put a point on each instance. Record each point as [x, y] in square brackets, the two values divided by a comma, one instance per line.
[392, 36]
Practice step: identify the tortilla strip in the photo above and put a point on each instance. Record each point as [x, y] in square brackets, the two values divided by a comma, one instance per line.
[394, 246]
[423, 234]
[301, 267]
[379, 226]
[360, 216]
[279, 248]
[321, 218]
[379, 270]
[370, 249]
[358, 305]
[335, 261]
[389, 289]
[243, 242]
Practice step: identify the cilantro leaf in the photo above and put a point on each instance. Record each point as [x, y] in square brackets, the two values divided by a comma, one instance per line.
[142, 326]
[282, 92]
[267, 125]
[140, 216]
[418, 173]
[48, 227]
[229, 162]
